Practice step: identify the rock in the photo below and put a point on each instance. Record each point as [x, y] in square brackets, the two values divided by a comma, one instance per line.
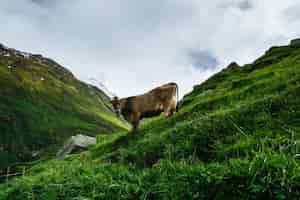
[233, 65]
[35, 154]
[78, 142]
[295, 43]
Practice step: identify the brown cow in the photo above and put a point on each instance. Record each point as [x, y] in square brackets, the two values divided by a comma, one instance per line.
[153, 103]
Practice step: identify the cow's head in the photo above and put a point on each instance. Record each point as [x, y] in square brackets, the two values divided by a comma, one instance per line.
[116, 105]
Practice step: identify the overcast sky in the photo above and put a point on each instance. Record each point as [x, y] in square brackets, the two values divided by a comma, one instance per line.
[132, 46]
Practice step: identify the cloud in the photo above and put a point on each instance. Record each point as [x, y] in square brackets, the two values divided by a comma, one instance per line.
[242, 5]
[202, 59]
[292, 13]
[45, 3]
[132, 46]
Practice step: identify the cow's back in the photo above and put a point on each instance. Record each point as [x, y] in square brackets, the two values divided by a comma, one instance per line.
[156, 99]
[152, 103]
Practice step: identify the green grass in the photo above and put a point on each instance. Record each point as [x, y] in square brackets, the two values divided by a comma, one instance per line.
[47, 104]
[236, 136]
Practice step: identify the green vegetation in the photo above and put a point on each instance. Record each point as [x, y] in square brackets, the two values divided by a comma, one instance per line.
[41, 104]
[235, 137]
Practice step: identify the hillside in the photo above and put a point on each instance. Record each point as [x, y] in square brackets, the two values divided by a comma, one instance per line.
[42, 103]
[236, 136]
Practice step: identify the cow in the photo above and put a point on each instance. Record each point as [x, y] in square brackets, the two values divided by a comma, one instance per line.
[160, 99]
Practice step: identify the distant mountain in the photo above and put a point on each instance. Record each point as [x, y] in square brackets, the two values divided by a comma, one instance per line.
[42, 103]
[102, 87]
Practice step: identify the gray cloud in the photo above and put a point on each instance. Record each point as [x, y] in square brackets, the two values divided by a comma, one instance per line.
[45, 3]
[243, 5]
[203, 60]
[132, 46]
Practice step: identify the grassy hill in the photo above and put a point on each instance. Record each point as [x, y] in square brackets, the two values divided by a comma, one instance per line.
[42, 103]
[235, 137]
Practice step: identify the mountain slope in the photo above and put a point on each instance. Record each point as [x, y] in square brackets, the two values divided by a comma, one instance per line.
[42, 103]
[235, 137]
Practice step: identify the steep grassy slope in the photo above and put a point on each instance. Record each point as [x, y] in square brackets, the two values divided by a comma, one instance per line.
[235, 137]
[42, 103]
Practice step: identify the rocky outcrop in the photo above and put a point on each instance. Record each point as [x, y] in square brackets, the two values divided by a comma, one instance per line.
[78, 143]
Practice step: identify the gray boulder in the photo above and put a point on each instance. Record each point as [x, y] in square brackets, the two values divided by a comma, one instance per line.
[78, 142]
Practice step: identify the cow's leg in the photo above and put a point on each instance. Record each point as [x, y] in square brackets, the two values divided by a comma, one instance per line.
[167, 111]
[135, 121]
[172, 111]
[170, 107]
[174, 108]
[135, 126]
